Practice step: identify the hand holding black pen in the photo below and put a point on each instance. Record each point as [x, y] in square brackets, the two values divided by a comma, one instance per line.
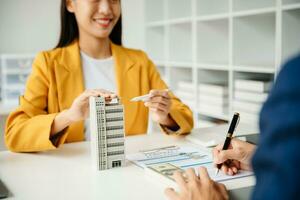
[232, 127]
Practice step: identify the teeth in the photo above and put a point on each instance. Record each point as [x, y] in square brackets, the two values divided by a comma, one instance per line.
[103, 22]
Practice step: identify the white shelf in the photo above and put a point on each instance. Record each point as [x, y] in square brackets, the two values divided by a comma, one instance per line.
[213, 41]
[186, 20]
[254, 12]
[213, 17]
[180, 64]
[14, 70]
[213, 67]
[155, 40]
[290, 2]
[157, 24]
[253, 69]
[157, 7]
[212, 7]
[291, 7]
[5, 109]
[241, 5]
[15, 86]
[212, 76]
[17, 56]
[179, 9]
[254, 40]
[179, 74]
[159, 62]
[290, 34]
[180, 50]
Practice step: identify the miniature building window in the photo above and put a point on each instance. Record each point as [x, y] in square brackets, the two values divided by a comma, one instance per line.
[115, 144]
[114, 153]
[114, 136]
[114, 119]
[116, 163]
[114, 111]
[114, 128]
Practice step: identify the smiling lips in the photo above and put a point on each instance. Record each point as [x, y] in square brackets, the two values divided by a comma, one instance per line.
[103, 22]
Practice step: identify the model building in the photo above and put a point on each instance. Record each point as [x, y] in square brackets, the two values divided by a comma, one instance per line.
[107, 133]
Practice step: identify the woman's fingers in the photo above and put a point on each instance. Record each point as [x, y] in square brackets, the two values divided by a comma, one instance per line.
[96, 93]
[106, 93]
[159, 99]
[157, 107]
[163, 93]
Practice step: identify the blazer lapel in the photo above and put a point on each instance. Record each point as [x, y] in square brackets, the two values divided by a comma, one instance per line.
[128, 82]
[69, 76]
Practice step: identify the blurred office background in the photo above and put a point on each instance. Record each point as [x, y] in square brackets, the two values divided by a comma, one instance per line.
[218, 56]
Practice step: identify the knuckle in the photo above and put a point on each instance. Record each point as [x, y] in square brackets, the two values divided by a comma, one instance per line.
[193, 184]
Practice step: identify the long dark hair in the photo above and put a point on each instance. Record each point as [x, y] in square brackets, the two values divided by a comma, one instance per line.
[69, 28]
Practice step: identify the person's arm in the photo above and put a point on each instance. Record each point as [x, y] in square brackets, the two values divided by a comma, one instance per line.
[28, 127]
[180, 117]
[277, 159]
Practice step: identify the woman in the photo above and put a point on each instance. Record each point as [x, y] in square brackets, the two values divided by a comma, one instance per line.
[89, 55]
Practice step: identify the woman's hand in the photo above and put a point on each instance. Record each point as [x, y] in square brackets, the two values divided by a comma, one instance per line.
[237, 157]
[159, 105]
[195, 187]
[79, 109]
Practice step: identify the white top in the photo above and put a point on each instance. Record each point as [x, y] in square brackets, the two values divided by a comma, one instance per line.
[97, 74]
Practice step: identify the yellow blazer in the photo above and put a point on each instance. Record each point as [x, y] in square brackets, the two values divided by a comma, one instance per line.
[57, 79]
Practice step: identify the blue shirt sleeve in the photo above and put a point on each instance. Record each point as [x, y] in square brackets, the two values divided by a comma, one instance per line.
[276, 162]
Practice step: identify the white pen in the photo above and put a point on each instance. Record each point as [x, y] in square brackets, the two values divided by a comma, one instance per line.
[144, 97]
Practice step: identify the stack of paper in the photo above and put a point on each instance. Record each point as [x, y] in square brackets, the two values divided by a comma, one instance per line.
[249, 97]
[213, 98]
[186, 93]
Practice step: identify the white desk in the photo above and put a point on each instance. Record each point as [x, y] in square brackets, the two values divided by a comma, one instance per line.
[66, 173]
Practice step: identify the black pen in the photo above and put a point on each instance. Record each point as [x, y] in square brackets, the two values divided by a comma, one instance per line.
[233, 125]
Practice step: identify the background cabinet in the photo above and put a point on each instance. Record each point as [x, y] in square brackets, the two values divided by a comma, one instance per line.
[196, 43]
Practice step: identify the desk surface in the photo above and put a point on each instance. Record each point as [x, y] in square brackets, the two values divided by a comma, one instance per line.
[66, 173]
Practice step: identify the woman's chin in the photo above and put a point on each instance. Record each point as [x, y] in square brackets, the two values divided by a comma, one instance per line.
[102, 35]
